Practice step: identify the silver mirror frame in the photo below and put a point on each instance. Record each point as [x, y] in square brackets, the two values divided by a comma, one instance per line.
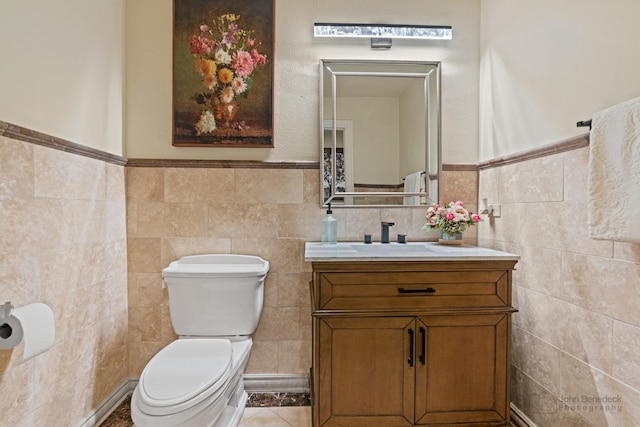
[429, 91]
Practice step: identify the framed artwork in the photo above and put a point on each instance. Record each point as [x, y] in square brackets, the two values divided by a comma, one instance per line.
[341, 185]
[223, 73]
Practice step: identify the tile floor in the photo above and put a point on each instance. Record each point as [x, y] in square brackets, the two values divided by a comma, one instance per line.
[290, 416]
[269, 416]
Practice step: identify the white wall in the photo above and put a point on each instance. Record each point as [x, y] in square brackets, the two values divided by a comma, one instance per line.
[375, 148]
[61, 71]
[547, 64]
[62, 65]
[412, 109]
[296, 127]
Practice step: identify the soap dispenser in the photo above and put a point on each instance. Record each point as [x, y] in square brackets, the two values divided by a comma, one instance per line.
[329, 228]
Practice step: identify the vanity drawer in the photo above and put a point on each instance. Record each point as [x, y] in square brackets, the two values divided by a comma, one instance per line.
[412, 290]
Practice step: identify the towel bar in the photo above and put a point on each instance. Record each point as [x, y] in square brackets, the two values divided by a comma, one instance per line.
[421, 173]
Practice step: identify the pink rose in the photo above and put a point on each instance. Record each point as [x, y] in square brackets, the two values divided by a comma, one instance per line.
[459, 203]
[460, 213]
[449, 216]
[199, 45]
[242, 63]
[258, 58]
[476, 218]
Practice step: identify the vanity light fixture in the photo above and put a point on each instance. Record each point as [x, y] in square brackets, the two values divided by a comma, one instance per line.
[382, 34]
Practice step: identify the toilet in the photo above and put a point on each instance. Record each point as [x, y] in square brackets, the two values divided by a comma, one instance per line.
[215, 302]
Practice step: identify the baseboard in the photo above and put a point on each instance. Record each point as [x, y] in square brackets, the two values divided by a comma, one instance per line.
[519, 419]
[253, 383]
[276, 383]
[109, 403]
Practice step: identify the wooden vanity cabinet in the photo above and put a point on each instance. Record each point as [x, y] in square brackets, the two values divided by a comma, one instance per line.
[411, 343]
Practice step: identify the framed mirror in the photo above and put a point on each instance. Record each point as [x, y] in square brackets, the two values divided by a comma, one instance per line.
[380, 133]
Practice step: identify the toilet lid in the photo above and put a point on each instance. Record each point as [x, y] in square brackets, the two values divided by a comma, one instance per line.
[185, 369]
[217, 265]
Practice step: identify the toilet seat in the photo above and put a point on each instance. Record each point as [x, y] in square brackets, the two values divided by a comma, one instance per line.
[183, 374]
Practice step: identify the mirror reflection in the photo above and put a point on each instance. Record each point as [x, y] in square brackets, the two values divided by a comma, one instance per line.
[380, 128]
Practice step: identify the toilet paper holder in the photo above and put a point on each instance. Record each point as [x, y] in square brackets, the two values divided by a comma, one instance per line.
[5, 311]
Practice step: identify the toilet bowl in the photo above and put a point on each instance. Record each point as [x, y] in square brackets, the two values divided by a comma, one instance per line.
[215, 303]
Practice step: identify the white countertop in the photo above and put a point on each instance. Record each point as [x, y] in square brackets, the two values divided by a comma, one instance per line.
[411, 251]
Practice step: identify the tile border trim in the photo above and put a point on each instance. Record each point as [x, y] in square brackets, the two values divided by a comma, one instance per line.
[276, 383]
[451, 167]
[573, 143]
[27, 135]
[20, 133]
[243, 164]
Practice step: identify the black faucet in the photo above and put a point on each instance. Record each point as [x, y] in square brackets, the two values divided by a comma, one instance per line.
[384, 234]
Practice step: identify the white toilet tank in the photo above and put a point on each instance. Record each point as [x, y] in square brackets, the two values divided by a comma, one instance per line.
[216, 295]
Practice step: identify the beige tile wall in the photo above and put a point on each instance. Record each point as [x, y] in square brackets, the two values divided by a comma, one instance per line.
[173, 212]
[462, 185]
[75, 236]
[63, 243]
[576, 336]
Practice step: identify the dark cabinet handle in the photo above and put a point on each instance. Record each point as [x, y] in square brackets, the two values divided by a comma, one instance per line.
[423, 355]
[410, 359]
[416, 291]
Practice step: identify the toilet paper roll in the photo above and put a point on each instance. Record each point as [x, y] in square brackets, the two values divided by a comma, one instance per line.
[10, 333]
[32, 323]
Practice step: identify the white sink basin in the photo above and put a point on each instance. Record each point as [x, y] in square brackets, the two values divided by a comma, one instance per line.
[412, 251]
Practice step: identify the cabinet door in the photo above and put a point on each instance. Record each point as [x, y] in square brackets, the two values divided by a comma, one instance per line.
[365, 371]
[462, 371]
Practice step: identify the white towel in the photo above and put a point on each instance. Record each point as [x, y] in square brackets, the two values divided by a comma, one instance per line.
[614, 173]
[413, 183]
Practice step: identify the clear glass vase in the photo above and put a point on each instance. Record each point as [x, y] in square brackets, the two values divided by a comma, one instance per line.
[449, 238]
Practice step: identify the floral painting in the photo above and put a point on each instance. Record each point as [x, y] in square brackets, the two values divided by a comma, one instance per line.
[223, 73]
[341, 184]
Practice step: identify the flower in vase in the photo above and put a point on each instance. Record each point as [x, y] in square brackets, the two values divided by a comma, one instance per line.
[239, 85]
[227, 94]
[206, 123]
[451, 218]
[226, 56]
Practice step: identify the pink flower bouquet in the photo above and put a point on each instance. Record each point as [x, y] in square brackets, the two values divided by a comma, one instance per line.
[225, 56]
[452, 218]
